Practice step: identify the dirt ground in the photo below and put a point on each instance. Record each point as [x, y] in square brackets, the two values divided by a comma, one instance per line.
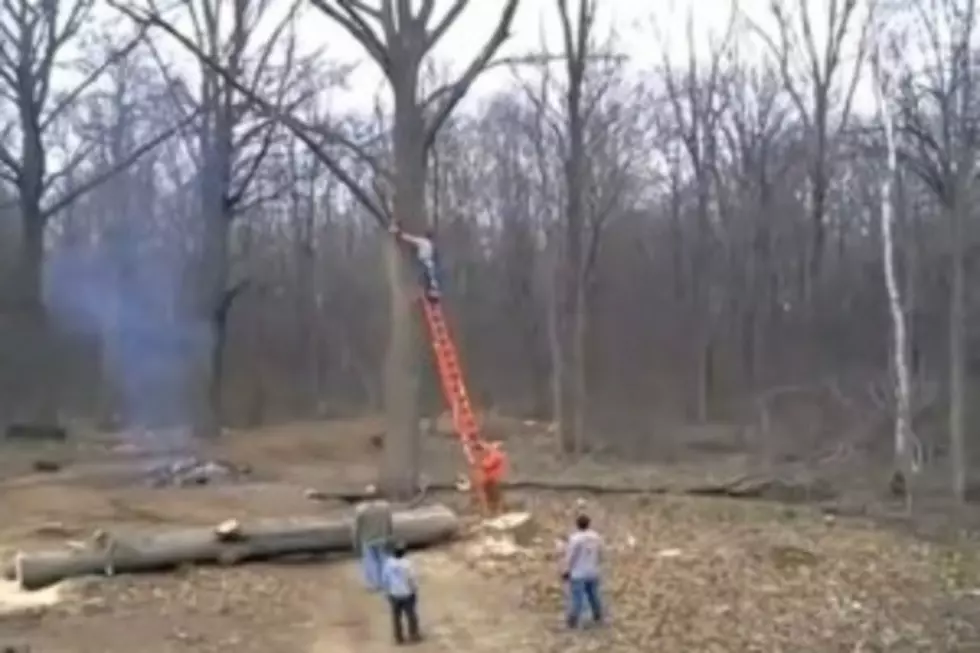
[685, 574]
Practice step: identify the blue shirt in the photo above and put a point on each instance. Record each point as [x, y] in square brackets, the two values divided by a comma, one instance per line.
[398, 578]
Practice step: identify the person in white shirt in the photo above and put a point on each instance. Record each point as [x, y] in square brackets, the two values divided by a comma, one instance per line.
[425, 255]
[401, 587]
[582, 559]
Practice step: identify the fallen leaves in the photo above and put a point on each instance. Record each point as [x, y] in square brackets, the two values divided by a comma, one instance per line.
[689, 574]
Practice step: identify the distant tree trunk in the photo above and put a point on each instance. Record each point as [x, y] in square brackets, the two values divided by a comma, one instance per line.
[572, 310]
[906, 460]
[571, 318]
[957, 351]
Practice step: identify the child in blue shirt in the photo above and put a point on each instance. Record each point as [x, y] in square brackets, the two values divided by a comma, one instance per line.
[401, 587]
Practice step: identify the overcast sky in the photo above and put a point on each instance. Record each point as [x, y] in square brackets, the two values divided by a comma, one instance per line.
[642, 30]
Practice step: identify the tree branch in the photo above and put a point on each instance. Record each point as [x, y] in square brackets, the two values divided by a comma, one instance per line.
[347, 16]
[458, 90]
[298, 127]
[71, 98]
[97, 180]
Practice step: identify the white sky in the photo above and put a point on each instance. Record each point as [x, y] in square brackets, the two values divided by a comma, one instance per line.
[641, 31]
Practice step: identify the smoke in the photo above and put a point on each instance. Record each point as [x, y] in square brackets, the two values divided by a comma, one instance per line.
[128, 299]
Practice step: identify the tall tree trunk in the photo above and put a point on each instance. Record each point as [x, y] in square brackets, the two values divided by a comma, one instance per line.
[31, 323]
[215, 298]
[400, 463]
[213, 321]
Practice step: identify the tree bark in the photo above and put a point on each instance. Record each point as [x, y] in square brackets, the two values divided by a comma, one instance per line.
[401, 459]
[260, 540]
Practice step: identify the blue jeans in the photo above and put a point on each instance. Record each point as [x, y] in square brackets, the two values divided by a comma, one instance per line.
[580, 592]
[430, 278]
[372, 563]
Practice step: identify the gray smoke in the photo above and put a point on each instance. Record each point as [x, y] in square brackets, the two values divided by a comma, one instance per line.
[128, 299]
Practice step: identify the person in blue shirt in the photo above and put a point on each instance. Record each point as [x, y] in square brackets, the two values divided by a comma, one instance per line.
[581, 571]
[401, 587]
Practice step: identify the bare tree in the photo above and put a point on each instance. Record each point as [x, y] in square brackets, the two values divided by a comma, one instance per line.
[755, 131]
[940, 139]
[696, 97]
[583, 130]
[398, 40]
[816, 92]
[229, 147]
[906, 452]
[36, 36]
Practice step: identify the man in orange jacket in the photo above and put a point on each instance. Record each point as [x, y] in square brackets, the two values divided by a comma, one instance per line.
[492, 463]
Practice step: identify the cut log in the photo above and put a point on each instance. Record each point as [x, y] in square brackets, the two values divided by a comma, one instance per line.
[257, 540]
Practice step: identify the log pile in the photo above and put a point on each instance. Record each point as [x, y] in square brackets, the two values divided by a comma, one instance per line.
[228, 543]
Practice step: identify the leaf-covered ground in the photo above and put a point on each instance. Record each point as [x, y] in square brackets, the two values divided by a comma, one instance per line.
[684, 575]
[716, 575]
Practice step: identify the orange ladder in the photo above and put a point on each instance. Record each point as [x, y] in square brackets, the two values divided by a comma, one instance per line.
[454, 390]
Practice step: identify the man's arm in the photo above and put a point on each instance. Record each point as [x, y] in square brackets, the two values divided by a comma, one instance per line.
[409, 238]
[398, 233]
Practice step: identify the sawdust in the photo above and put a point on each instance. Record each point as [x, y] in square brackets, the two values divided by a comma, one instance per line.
[15, 601]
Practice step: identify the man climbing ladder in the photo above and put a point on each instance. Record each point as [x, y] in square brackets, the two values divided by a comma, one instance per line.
[487, 461]
[425, 255]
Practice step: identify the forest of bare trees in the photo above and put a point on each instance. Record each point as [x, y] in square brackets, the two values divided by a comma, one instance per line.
[627, 249]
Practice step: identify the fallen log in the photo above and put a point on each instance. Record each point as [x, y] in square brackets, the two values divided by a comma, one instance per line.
[257, 540]
[741, 487]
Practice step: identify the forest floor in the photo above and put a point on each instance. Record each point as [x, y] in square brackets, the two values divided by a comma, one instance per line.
[685, 574]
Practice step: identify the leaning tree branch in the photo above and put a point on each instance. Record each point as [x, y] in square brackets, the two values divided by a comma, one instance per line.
[71, 98]
[97, 180]
[299, 128]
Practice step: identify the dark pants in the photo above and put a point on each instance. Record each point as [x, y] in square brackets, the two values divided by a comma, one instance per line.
[580, 592]
[404, 607]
